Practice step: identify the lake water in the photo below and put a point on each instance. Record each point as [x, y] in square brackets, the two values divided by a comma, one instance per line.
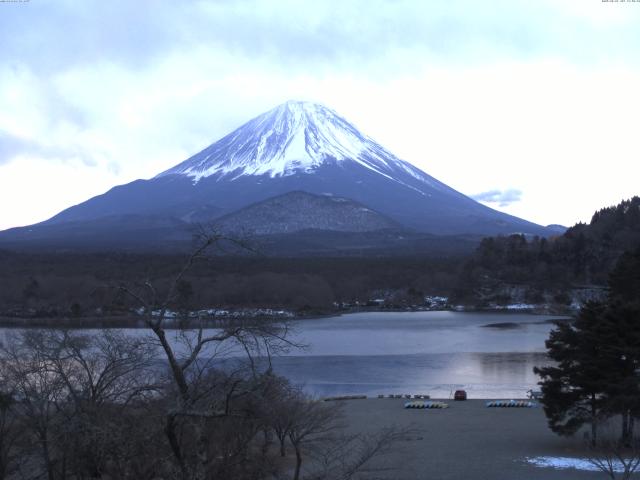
[431, 353]
[420, 352]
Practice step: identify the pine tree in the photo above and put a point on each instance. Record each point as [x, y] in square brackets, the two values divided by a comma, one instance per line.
[623, 341]
[624, 280]
[597, 355]
[573, 389]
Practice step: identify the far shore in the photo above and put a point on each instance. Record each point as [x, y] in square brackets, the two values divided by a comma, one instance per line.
[466, 440]
[137, 321]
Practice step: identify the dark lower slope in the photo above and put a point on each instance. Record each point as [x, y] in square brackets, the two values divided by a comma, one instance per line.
[438, 210]
[116, 232]
[380, 243]
[297, 211]
[134, 233]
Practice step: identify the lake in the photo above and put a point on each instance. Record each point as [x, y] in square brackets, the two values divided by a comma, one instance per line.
[420, 352]
[431, 353]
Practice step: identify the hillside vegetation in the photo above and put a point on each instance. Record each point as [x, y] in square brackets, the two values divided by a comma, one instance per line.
[537, 267]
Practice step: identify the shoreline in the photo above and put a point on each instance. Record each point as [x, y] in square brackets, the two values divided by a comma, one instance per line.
[136, 321]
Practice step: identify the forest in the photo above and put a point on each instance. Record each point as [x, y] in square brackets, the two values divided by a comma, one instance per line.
[539, 270]
[84, 285]
[582, 257]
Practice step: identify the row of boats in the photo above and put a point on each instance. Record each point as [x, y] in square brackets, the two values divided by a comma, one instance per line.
[511, 404]
[491, 404]
[426, 405]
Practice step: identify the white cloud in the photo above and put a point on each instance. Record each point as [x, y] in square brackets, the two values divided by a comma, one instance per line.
[32, 189]
[540, 95]
[503, 198]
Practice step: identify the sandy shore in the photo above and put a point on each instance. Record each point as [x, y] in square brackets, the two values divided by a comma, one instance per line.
[466, 441]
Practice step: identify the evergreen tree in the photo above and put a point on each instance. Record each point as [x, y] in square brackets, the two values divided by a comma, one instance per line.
[597, 355]
[573, 389]
[623, 341]
[624, 280]
[621, 346]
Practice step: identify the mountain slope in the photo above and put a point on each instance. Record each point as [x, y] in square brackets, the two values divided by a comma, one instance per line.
[297, 146]
[113, 232]
[297, 211]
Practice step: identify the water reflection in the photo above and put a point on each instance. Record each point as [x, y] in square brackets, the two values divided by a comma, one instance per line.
[504, 367]
[483, 375]
[420, 352]
[412, 353]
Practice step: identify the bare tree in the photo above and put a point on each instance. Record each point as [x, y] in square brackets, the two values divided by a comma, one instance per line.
[316, 432]
[10, 436]
[346, 457]
[107, 368]
[73, 390]
[614, 456]
[310, 419]
[103, 375]
[28, 373]
[282, 405]
[191, 355]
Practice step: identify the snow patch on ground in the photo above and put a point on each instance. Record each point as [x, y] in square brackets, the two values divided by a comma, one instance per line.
[563, 463]
[513, 306]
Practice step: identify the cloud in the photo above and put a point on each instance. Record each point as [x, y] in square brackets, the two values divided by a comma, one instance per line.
[503, 198]
[12, 147]
[135, 87]
[301, 35]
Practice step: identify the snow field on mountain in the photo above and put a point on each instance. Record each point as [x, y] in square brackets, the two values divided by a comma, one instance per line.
[293, 137]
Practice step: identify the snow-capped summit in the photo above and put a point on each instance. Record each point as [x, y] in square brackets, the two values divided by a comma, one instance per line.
[294, 137]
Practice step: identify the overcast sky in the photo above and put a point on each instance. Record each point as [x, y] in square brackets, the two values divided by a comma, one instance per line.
[529, 106]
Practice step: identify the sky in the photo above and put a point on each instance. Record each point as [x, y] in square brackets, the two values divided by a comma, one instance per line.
[528, 106]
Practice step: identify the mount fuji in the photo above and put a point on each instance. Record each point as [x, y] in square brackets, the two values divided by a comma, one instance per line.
[296, 147]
